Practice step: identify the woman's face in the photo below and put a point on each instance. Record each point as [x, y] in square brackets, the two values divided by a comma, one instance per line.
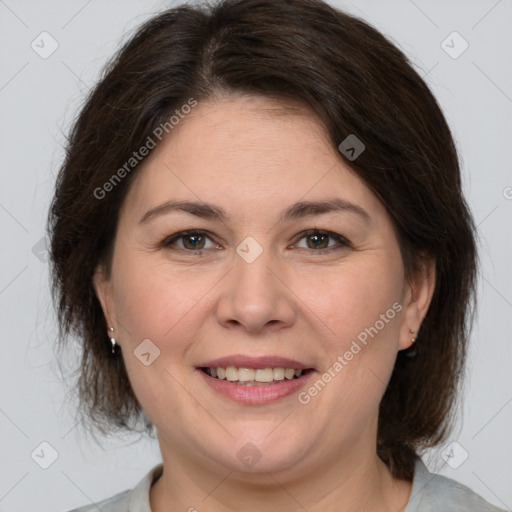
[270, 285]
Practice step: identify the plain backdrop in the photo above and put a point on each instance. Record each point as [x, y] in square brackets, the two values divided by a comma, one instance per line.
[39, 97]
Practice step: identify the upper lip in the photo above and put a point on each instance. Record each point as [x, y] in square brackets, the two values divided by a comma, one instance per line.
[241, 361]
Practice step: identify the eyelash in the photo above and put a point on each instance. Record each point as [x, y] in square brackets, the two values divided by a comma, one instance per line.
[342, 242]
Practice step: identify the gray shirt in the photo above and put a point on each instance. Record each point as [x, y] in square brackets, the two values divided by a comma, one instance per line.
[430, 493]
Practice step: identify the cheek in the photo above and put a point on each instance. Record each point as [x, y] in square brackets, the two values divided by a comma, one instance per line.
[153, 301]
[356, 300]
[155, 304]
[358, 311]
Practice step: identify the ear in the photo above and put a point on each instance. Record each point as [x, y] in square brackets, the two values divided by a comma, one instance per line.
[419, 291]
[104, 291]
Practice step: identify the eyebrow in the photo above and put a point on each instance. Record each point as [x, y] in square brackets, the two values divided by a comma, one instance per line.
[296, 211]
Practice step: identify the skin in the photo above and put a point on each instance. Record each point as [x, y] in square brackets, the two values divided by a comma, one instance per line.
[254, 157]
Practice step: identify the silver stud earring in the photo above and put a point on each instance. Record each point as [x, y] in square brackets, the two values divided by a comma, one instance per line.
[112, 340]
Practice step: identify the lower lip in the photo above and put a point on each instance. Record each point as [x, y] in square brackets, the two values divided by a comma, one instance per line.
[257, 394]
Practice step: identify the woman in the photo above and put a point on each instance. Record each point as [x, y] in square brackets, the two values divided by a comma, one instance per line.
[260, 237]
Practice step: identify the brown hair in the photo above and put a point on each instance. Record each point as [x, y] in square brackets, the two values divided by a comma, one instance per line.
[357, 82]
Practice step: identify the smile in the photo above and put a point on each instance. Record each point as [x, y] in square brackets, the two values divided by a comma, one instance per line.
[253, 376]
[253, 386]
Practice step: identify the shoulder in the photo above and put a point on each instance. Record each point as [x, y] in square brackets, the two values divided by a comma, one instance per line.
[117, 503]
[131, 500]
[436, 493]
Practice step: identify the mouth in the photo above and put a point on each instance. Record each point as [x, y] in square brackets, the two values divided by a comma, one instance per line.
[255, 376]
[254, 381]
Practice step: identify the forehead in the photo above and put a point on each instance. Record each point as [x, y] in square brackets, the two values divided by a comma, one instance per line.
[248, 154]
[246, 132]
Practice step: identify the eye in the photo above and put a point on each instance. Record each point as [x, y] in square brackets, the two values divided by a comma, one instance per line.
[196, 240]
[319, 240]
[192, 240]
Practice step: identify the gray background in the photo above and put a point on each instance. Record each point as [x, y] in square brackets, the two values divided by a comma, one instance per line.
[39, 98]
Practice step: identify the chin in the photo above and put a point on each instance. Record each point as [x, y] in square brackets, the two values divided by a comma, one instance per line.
[262, 454]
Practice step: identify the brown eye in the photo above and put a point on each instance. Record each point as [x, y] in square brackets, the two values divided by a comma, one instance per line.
[193, 241]
[188, 241]
[319, 241]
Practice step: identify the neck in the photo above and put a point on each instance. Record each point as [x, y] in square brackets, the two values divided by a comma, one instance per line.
[349, 483]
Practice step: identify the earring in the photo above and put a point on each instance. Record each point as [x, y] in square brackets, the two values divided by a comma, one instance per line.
[411, 352]
[112, 340]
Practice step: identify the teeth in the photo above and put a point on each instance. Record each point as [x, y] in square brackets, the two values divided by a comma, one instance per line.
[279, 373]
[231, 373]
[264, 375]
[248, 375]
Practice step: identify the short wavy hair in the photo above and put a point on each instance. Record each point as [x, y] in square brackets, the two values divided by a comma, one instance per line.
[357, 82]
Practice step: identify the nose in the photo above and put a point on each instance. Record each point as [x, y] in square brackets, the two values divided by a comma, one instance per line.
[255, 297]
